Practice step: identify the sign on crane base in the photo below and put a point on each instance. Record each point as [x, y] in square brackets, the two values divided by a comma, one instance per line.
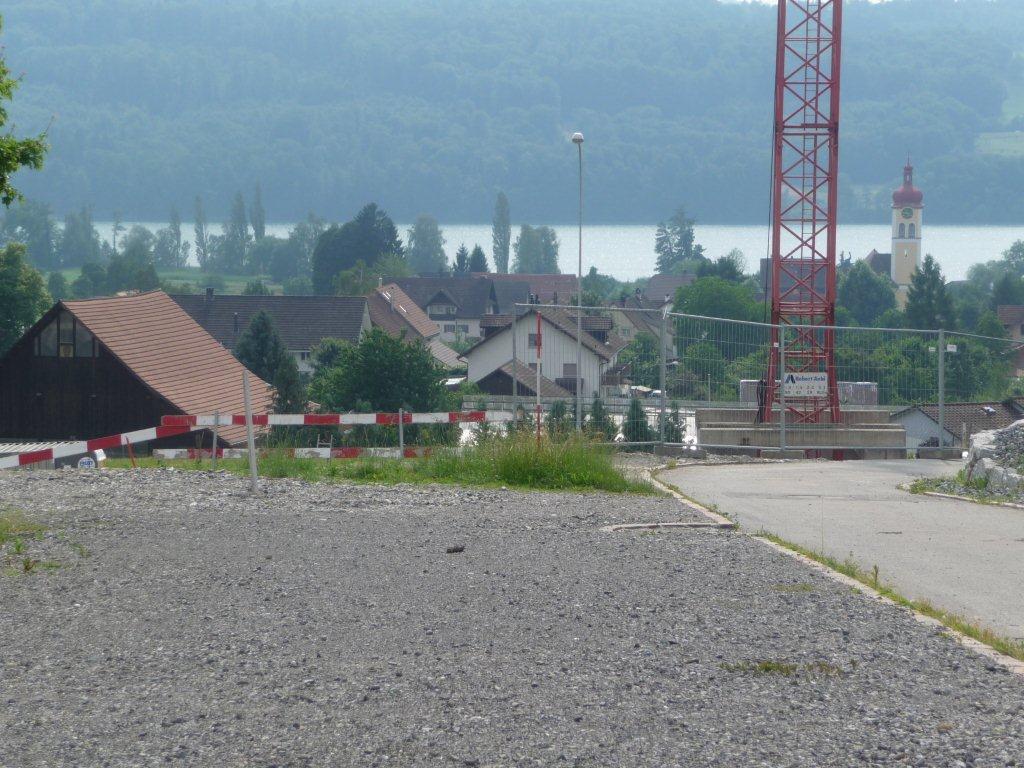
[805, 384]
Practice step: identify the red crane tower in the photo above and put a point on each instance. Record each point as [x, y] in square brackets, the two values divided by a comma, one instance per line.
[804, 197]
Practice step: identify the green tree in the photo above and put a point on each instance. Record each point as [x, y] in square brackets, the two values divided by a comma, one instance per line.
[256, 288]
[15, 153]
[673, 424]
[260, 348]
[501, 234]
[865, 294]
[133, 268]
[715, 297]
[600, 425]
[644, 360]
[425, 252]
[558, 420]
[257, 215]
[31, 222]
[675, 244]
[289, 394]
[1008, 289]
[461, 265]
[380, 373]
[79, 242]
[203, 253]
[369, 237]
[298, 286]
[536, 251]
[235, 242]
[729, 267]
[169, 250]
[928, 304]
[988, 325]
[477, 260]
[23, 296]
[635, 428]
[57, 286]
[265, 252]
[91, 282]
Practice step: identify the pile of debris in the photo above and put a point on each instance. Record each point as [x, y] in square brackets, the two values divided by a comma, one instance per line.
[997, 456]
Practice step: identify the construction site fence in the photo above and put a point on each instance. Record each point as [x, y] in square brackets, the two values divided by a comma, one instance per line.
[682, 379]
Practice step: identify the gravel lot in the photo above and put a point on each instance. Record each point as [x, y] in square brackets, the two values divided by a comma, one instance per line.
[327, 625]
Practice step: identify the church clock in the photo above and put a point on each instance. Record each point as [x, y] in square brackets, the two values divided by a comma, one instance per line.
[908, 213]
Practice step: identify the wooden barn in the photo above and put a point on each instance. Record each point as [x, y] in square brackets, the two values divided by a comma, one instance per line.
[104, 366]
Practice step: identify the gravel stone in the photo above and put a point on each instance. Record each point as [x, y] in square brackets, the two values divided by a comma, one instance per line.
[316, 625]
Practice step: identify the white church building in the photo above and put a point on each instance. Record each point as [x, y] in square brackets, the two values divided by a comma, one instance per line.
[905, 254]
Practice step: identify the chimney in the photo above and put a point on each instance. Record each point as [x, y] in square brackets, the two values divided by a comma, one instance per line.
[208, 301]
[236, 323]
[380, 281]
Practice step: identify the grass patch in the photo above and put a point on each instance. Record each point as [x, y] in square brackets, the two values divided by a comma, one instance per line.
[793, 588]
[784, 669]
[516, 462]
[14, 526]
[966, 627]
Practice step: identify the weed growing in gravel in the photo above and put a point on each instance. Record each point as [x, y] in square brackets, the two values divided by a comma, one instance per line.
[1006, 646]
[799, 587]
[516, 461]
[14, 525]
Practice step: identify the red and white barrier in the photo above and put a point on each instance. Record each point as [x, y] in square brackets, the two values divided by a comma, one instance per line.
[335, 419]
[96, 444]
[299, 453]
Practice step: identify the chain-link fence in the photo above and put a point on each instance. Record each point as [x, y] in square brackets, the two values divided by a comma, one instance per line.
[641, 375]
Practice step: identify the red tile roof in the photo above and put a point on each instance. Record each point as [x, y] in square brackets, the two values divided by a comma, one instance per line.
[393, 310]
[172, 355]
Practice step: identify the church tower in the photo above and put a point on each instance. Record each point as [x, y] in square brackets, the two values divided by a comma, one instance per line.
[907, 206]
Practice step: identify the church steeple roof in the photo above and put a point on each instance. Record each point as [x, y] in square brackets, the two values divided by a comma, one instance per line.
[908, 194]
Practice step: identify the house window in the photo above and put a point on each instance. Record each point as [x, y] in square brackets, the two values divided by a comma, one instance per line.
[304, 356]
[532, 341]
[84, 342]
[533, 366]
[449, 327]
[569, 370]
[462, 329]
[48, 339]
[913, 231]
[64, 336]
[903, 231]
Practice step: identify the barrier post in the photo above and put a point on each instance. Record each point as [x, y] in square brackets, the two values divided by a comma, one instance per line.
[249, 439]
[538, 375]
[401, 433]
[213, 455]
[782, 392]
[942, 390]
[663, 364]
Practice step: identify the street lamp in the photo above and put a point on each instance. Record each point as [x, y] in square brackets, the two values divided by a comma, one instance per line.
[577, 139]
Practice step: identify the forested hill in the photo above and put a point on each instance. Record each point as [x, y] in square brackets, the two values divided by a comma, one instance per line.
[434, 106]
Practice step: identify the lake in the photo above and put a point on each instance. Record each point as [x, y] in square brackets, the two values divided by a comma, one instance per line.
[626, 251]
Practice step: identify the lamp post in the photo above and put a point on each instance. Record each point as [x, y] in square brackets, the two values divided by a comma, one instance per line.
[577, 139]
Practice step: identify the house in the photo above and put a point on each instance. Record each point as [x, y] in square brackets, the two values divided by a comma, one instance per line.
[599, 350]
[922, 421]
[105, 366]
[661, 289]
[546, 289]
[398, 315]
[456, 303]
[1012, 318]
[302, 321]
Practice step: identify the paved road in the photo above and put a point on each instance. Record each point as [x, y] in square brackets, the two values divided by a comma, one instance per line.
[964, 557]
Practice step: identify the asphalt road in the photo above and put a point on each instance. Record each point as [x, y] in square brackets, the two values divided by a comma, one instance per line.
[964, 557]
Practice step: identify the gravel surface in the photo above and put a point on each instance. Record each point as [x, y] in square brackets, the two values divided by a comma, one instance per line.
[328, 625]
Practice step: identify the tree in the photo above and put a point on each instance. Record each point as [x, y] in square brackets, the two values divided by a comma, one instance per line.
[257, 215]
[15, 153]
[31, 222]
[865, 294]
[260, 348]
[675, 245]
[644, 360]
[501, 234]
[928, 304]
[169, 250]
[558, 420]
[256, 288]
[235, 244]
[673, 424]
[461, 265]
[729, 267]
[289, 394]
[715, 297]
[600, 424]
[133, 268]
[635, 428]
[1008, 289]
[116, 228]
[477, 260]
[298, 286]
[23, 297]
[536, 251]
[79, 242]
[263, 254]
[91, 282]
[203, 255]
[425, 252]
[57, 286]
[369, 237]
[380, 373]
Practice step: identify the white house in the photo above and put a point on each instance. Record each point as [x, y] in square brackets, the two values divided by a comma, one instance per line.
[557, 352]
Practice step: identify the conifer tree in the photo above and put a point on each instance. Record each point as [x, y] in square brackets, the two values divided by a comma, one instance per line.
[260, 348]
